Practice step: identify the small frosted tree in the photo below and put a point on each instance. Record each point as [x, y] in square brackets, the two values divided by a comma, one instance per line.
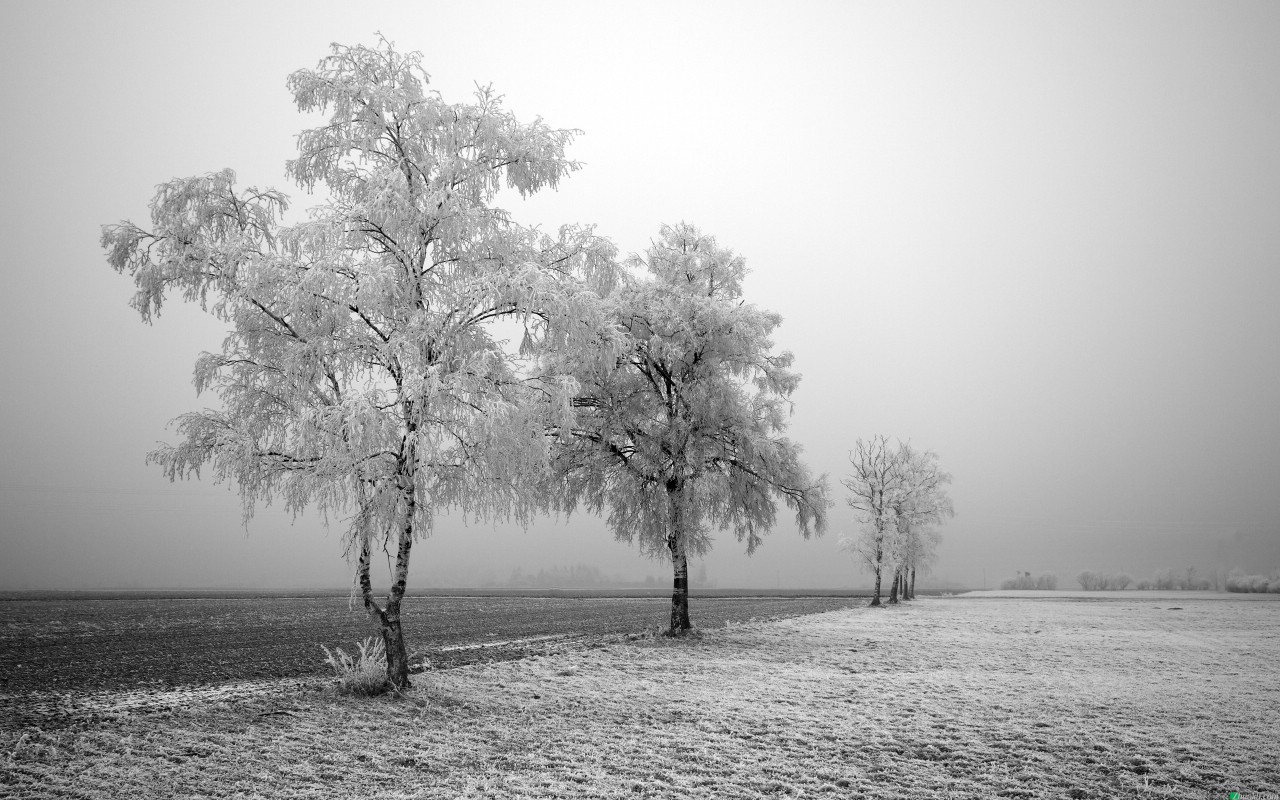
[873, 483]
[919, 500]
[362, 374]
[897, 494]
[682, 433]
[921, 550]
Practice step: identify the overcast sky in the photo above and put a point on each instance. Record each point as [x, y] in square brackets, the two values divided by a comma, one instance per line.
[1041, 239]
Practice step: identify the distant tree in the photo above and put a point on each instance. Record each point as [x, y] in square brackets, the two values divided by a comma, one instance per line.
[897, 493]
[873, 483]
[682, 433]
[921, 552]
[1046, 581]
[921, 500]
[362, 374]
[1098, 581]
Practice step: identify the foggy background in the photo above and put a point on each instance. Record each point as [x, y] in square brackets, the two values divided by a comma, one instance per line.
[1042, 240]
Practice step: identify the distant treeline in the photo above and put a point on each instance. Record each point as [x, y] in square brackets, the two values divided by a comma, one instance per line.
[1164, 579]
[585, 576]
[1044, 580]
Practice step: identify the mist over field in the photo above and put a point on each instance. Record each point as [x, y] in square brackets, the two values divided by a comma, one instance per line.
[1039, 241]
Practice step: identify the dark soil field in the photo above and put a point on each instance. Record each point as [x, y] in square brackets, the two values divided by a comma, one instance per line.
[89, 643]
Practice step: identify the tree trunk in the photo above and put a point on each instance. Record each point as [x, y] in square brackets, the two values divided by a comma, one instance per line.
[392, 635]
[680, 564]
[893, 590]
[913, 582]
[877, 567]
[388, 617]
[680, 590]
[397, 654]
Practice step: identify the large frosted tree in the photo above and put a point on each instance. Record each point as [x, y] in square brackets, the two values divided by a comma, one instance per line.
[682, 433]
[362, 374]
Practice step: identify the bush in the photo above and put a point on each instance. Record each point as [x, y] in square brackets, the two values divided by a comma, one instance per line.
[1119, 582]
[1089, 580]
[1097, 581]
[365, 674]
[1239, 582]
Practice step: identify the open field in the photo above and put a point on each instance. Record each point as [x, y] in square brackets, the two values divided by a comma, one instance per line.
[942, 698]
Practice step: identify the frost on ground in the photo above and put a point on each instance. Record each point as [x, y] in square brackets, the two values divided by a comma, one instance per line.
[938, 699]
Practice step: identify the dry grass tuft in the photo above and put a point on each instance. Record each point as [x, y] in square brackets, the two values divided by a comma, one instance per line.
[364, 674]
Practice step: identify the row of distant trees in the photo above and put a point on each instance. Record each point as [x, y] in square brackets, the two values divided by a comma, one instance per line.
[1166, 579]
[369, 372]
[1024, 580]
[899, 496]
[585, 576]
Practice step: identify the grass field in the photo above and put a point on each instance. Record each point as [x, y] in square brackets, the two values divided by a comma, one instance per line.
[942, 698]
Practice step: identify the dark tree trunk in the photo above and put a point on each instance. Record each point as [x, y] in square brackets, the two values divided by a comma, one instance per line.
[893, 590]
[397, 654]
[388, 617]
[679, 592]
[680, 623]
[392, 634]
[913, 583]
[875, 600]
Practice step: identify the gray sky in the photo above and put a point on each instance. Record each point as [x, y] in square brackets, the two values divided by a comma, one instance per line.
[1040, 239]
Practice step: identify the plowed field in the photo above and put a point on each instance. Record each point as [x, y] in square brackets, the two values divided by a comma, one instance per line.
[89, 644]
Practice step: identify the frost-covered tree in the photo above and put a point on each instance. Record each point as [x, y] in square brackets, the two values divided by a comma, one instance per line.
[682, 433]
[362, 374]
[897, 493]
[920, 500]
[873, 482]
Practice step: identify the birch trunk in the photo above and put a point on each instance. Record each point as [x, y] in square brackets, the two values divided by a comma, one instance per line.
[875, 601]
[893, 590]
[388, 616]
[680, 565]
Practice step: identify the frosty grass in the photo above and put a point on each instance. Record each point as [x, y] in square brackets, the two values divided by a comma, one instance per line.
[941, 698]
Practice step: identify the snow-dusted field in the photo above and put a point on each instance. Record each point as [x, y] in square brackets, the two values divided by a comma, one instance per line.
[968, 697]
